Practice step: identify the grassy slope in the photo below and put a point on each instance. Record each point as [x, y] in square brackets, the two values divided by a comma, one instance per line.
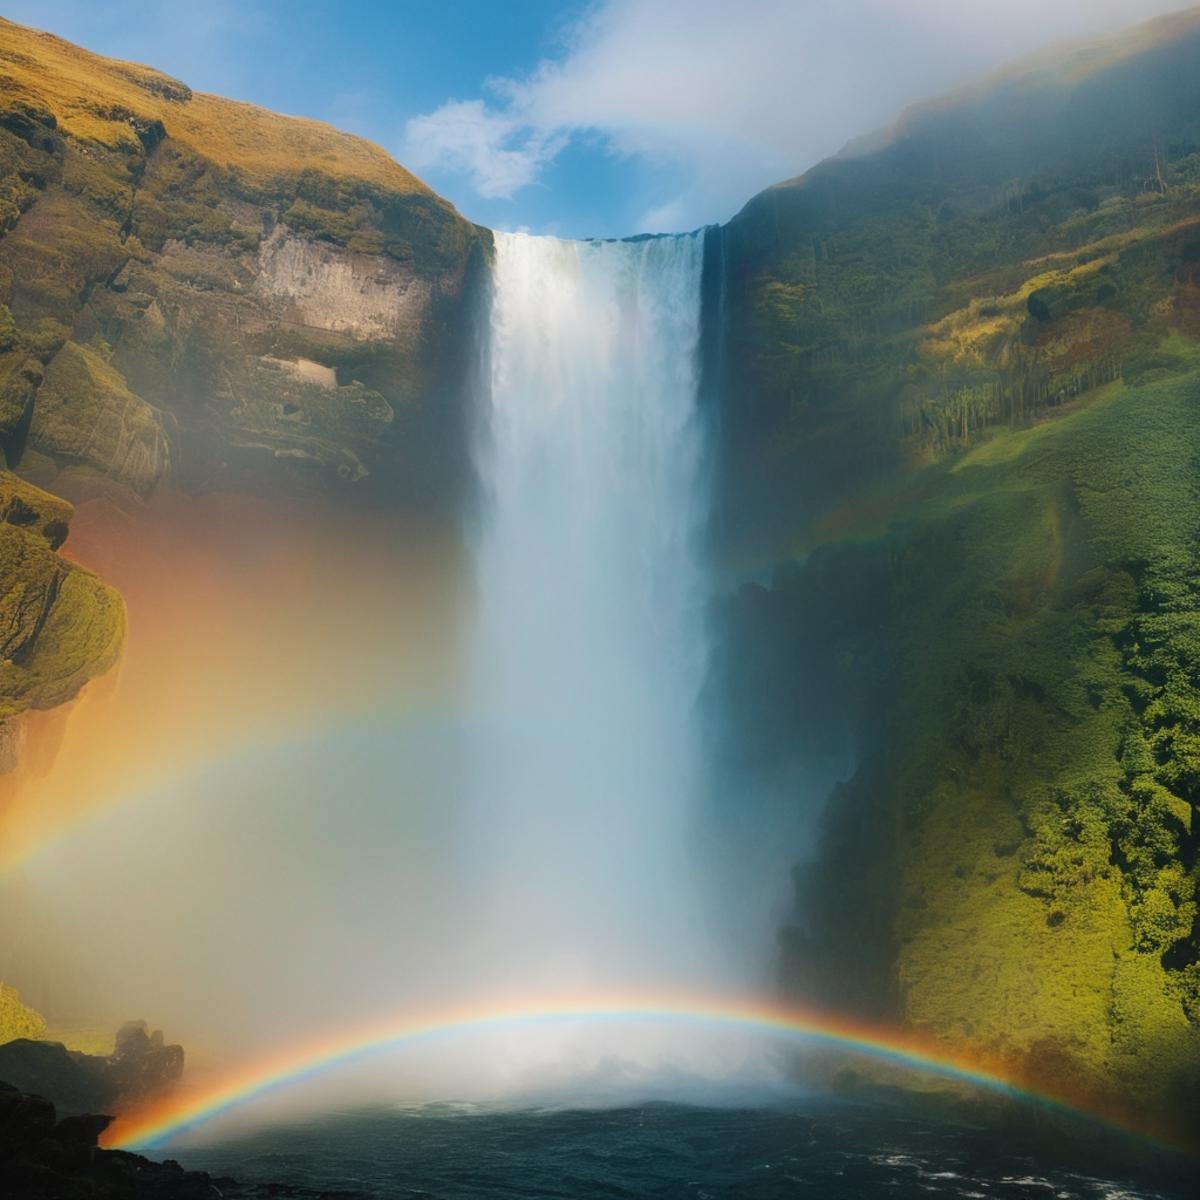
[993, 255]
[94, 99]
[1015, 865]
[966, 389]
[1045, 801]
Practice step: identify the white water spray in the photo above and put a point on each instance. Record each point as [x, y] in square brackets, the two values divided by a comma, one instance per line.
[542, 843]
[589, 647]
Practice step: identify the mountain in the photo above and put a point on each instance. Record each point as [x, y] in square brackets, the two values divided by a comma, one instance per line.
[961, 383]
[992, 254]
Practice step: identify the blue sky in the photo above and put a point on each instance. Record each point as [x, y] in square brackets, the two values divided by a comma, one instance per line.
[585, 117]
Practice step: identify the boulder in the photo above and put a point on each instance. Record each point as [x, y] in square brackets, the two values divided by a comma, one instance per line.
[141, 1065]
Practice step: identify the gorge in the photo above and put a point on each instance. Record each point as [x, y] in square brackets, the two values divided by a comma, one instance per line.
[796, 616]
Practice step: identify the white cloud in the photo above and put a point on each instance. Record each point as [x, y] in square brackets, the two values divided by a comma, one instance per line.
[664, 218]
[737, 96]
[499, 151]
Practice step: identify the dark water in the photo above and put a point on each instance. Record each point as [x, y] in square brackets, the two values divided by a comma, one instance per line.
[665, 1150]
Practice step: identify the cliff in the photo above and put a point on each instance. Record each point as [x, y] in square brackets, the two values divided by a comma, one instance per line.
[992, 255]
[203, 292]
[200, 294]
[960, 403]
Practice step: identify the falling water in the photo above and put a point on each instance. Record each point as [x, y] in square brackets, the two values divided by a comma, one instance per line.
[589, 647]
[542, 841]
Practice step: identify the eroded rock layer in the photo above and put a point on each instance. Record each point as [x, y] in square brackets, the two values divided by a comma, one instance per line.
[205, 292]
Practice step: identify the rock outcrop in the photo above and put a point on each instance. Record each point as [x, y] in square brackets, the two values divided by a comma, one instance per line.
[85, 414]
[78, 1083]
[59, 625]
[141, 1067]
[45, 1157]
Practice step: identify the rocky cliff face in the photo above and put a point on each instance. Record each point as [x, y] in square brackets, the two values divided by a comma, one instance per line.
[961, 395]
[200, 294]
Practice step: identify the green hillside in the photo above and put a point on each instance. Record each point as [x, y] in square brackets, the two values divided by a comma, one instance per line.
[963, 398]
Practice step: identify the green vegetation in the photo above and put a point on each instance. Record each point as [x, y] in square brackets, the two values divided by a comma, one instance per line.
[964, 382]
[28, 507]
[989, 259]
[1046, 790]
[16, 1019]
[1028, 766]
[59, 625]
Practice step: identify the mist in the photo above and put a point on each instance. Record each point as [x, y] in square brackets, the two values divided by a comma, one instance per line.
[351, 769]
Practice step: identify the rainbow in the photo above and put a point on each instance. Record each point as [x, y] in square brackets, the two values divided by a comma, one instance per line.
[179, 1114]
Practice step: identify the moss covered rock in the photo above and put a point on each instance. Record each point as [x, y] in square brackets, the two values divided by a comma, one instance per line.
[17, 1020]
[59, 625]
[85, 413]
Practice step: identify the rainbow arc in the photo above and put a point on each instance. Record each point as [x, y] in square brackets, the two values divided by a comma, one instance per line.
[170, 1118]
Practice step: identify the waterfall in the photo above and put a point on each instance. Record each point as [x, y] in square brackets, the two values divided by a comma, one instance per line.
[588, 647]
[528, 830]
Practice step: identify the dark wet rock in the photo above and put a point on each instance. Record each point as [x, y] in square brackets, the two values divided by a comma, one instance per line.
[141, 1065]
[42, 1158]
[78, 1083]
[23, 1119]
